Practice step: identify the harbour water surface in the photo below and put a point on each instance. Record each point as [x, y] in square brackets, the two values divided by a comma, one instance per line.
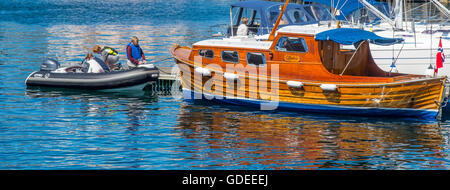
[69, 129]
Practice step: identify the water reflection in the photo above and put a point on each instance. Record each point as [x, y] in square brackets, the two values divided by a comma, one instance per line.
[71, 42]
[106, 130]
[71, 129]
[94, 105]
[254, 139]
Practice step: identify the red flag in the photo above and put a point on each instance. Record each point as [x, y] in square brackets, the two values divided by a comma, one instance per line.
[440, 57]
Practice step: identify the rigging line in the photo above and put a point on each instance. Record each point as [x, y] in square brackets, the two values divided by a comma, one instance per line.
[337, 4]
[431, 34]
[342, 7]
[418, 7]
[335, 10]
[160, 60]
[348, 63]
[395, 61]
[160, 70]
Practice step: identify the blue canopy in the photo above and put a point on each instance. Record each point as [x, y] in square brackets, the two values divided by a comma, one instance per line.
[269, 12]
[261, 7]
[257, 5]
[349, 36]
[347, 7]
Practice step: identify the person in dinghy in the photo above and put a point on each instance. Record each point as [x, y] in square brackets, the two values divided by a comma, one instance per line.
[109, 55]
[95, 65]
[135, 54]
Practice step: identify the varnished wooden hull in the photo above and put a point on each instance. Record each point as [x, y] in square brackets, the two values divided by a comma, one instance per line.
[318, 108]
[410, 98]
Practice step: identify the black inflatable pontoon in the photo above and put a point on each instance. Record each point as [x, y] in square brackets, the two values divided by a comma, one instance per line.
[74, 77]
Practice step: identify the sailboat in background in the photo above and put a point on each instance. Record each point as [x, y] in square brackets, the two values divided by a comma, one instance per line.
[421, 38]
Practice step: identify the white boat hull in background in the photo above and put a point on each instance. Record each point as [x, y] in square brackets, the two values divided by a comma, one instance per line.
[415, 55]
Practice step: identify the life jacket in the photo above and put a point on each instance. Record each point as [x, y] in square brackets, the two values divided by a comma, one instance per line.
[111, 51]
[136, 51]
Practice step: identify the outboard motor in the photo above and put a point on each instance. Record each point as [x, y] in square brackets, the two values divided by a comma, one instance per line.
[49, 65]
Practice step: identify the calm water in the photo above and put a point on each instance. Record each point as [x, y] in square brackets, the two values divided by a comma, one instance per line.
[67, 129]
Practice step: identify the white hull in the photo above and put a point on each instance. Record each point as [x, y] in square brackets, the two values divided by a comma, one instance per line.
[415, 55]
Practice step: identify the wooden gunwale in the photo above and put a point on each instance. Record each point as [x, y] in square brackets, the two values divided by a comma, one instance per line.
[359, 84]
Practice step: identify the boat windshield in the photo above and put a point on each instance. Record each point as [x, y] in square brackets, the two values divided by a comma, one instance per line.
[293, 15]
[297, 16]
[262, 15]
[362, 16]
[320, 13]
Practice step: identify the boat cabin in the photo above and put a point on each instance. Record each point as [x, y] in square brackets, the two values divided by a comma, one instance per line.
[301, 55]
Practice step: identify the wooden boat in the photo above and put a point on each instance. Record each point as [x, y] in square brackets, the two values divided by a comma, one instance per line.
[305, 72]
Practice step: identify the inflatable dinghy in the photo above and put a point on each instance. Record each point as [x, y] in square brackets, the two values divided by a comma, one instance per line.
[50, 75]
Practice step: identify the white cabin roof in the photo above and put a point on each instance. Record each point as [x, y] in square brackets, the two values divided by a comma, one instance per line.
[304, 29]
[258, 42]
[239, 42]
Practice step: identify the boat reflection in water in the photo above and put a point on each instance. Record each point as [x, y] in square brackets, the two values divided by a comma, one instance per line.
[249, 139]
[161, 132]
[94, 107]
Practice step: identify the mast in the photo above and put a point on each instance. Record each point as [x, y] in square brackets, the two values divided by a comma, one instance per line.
[441, 7]
[231, 20]
[398, 12]
[406, 14]
[274, 29]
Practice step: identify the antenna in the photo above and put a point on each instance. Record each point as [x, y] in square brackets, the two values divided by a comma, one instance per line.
[231, 21]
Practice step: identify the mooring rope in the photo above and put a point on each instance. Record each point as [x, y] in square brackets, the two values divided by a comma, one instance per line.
[160, 60]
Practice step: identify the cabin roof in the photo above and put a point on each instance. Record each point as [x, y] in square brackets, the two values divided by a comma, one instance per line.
[262, 5]
[346, 36]
[239, 42]
[269, 12]
[255, 4]
[304, 29]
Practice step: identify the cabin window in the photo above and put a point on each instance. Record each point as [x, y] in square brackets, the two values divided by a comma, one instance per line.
[272, 15]
[256, 58]
[362, 15]
[206, 53]
[292, 44]
[297, 16]
[230, 56]
[319, 12]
